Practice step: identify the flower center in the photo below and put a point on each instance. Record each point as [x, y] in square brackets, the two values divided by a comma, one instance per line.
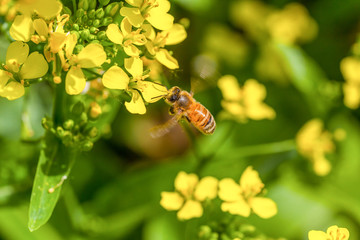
[147, 6]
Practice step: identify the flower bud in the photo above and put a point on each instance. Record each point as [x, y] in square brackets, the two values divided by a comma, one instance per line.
[85, 34]
[92, 4]
[83, 119]
[84, 18]
[93, 29]
[87, 146]
[112, 9]
[101, 35]
[79, 13]
[91, 14]
[57, 79]
[96, 23]
[68, 124]
[93, 132]
[78, 48]
[83, 4]
[46, 123]
[78, 109]
[99, 14]
[103, 2]
[60, 131]
[67, 138]
[91, 37]
[76, 27]
[66, 10]
[95, 110]
[76, 33]
[106, 21]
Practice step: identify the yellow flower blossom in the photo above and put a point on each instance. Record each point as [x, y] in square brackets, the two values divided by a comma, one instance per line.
[22, 28]
[155, 46]
[314, 142]
[292, 24]
[189, 194]
[240, 199]
[350, 69]
[126, 37]
[91, 56]
[116, 78]
[154, 11]
[332, 233]
[246, 102]
[19, 67]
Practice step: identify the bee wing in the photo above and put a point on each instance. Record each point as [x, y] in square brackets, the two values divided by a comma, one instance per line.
[161, 130]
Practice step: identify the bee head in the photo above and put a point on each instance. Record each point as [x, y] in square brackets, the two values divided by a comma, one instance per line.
[174, 94]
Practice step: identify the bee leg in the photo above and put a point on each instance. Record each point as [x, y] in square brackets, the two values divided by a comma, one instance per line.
[172, 110]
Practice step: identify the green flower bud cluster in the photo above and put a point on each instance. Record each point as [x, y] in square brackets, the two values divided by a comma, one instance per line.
[74, 132]
[91, 19]
[230, 231]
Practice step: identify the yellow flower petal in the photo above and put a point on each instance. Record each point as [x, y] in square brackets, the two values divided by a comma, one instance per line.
[57, 41]
[254, 94]
[35, 66]
[263, 207]
[16, 55]
[131, 50]
[158, 16]
[171, 200]
[321, 165]
[134, 66]
[149, 31]
[175, 35]
[164, 57]
[185, 183]
[47, 8]
[135, 3]
[4, 77]
[160, 21]
[338, 233]
[234, 108]
[70, 45]
[134, 15]
[317, 235]
[41, 27]
[230, 88]
[191, 209]
[250, 181]
[13, 90]
[150, 47]
[115, 78]
[75, 81]
[126, 27]
[22, 28]
[93, 55]
[350, 68]
[207, 188]
[114, 34]
[151, 91]
[351, 95]
[136, 105]
[229, 190]
[240, 207]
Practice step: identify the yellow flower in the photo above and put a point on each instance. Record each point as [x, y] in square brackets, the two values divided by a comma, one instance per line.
[20, 66]
[22, 28]
[91, 56]
[246, 102]
[350, 69]
[116, 78]
[126, 37]
[154, 11]
[189, 194]
[292, 24]
[155, 46]
[332, 233]
[240, 199]
[314, 142]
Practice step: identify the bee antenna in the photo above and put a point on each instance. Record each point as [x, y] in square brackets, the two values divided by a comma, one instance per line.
[159, 96]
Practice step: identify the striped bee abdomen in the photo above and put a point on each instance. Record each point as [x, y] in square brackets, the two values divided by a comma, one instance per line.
[201, 118]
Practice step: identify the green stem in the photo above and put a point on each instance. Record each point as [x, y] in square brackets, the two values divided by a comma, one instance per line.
[92, 72]
[74, 6]
[59, 104]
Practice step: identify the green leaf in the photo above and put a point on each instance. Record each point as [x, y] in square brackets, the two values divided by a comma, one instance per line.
[54, 166]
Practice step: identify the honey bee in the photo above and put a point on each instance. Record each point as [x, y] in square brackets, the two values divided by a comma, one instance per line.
[183, 105]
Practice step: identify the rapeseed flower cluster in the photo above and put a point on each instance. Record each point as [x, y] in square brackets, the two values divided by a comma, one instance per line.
[332, 233]
[238, 199]
[73, 46]
[244, 103]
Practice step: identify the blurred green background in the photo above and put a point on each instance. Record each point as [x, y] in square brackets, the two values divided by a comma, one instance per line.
[113, 191]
